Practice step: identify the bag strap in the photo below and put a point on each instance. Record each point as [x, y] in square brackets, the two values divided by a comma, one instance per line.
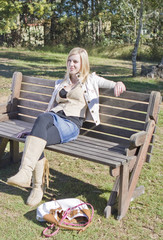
[70, 226]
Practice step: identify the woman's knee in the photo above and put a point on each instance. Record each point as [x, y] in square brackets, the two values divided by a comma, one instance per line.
[44, 118]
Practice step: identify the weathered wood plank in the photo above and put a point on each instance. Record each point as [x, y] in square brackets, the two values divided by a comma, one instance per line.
[116, 102]
[88, 156]
[142, 97]
[37, 89]
[122, 113]
[99, 150]
[35, 97]
[115, 148]
[32, 104]
[110, 208]
[120, 122]
[39, 81]
[122, 141]
[137, 169]
[153, 107]
[100, 142]
[26, 118]
[106, 129]
[123, 188]
[12, 132]
[16, 123]
[137, 139]
[29, 112]
[9, 132]
[15, 90]
[14, 151]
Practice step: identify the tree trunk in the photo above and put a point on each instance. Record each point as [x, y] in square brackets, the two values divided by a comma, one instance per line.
[134, 53]
[93, 22]
[85, 28]
[77, 22]
[46, 34]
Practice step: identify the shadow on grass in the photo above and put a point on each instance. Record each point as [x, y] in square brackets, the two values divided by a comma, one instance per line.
[110, 70]
[7, 71]
[29, 58]
[123, 72]
[61, 186]
[7, 172]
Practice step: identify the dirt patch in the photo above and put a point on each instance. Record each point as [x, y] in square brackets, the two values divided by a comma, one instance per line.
[3, 99]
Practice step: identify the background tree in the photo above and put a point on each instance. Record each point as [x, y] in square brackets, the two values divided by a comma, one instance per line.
[134, 53]
[9, 20]
[84, 23]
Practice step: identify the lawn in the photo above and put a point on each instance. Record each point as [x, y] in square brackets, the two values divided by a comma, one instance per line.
[73, 177]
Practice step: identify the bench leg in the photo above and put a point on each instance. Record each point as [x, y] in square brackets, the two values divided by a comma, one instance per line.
[3, 144]
[13, 155]
[111, 204]
[123, 189]
[136, 171]
[14, 151]
[117, 198]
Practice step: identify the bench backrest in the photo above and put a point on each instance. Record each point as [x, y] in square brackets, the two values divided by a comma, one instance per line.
[120, 117]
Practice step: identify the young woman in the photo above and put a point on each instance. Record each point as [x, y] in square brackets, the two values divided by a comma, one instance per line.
[74, 99]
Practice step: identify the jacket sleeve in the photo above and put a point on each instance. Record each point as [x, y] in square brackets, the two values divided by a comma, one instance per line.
[102, 82]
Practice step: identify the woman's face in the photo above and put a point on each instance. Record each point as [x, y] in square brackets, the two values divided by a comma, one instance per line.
[74, 64]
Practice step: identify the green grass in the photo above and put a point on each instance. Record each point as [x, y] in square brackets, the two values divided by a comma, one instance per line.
[73, 177]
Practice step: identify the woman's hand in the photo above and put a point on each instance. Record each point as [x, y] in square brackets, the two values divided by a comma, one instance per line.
[119, 88]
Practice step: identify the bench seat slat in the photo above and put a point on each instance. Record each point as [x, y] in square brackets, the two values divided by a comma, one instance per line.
[86, 155]
[88, 151]
[11, 131]
[95, 150]
[100, 150]
[116, 139]
[99, 142]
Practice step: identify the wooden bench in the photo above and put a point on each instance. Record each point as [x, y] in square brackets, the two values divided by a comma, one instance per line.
[123, 141]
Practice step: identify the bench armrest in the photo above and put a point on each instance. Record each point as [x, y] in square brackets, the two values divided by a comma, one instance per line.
[7, 116]
[137, 139]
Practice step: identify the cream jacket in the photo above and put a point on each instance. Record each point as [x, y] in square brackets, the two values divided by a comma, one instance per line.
[91, 94]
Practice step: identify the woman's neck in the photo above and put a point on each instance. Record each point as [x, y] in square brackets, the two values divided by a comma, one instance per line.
[74, 79]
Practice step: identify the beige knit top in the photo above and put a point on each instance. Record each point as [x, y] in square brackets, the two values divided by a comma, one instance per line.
[74, 104]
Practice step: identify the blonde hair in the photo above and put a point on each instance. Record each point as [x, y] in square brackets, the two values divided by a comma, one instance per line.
[85, 68]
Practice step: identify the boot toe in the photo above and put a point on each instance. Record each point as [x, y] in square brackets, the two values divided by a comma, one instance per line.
[21, 179]
[35, 197]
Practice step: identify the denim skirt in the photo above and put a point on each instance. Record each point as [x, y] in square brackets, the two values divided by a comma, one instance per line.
[68, 130]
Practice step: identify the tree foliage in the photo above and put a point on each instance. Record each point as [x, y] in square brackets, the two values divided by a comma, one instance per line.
[82, 22]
